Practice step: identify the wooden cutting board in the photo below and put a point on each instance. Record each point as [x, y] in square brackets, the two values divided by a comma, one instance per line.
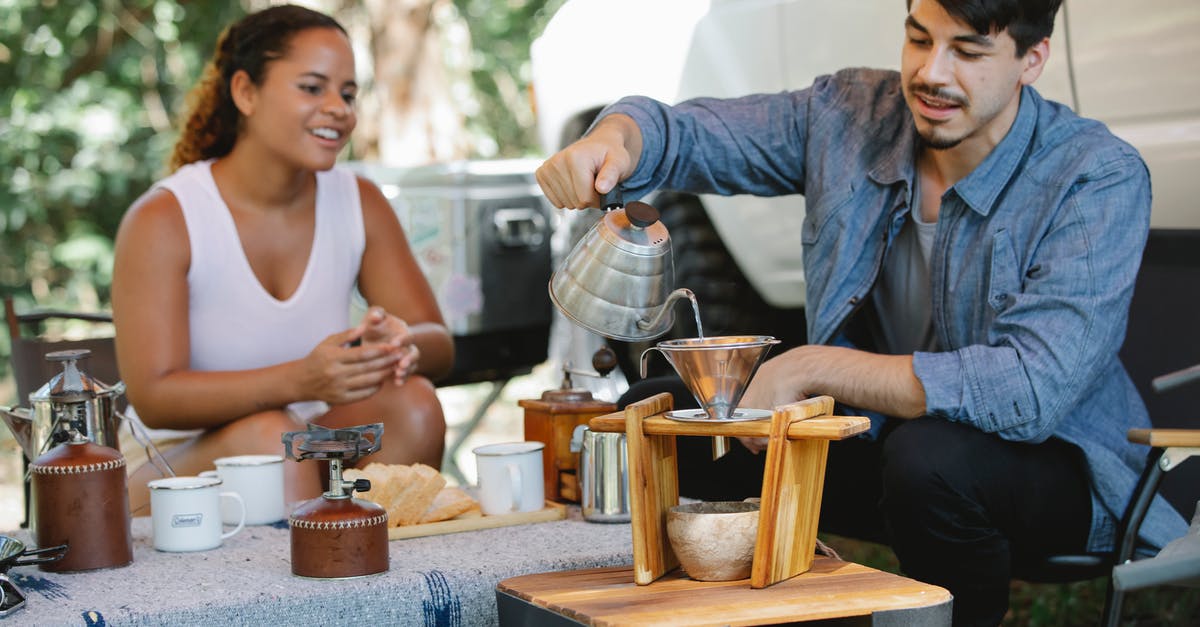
[475, 521]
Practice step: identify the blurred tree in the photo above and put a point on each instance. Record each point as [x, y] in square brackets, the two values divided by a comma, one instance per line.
[500, 114]
[444, 79]
[88, 91]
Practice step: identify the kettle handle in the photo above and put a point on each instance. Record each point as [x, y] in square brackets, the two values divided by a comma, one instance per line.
[612, 199]
[646, 359]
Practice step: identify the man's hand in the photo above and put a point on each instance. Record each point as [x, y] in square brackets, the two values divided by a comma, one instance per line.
[576, 176]
[882, 383]
[777, 382]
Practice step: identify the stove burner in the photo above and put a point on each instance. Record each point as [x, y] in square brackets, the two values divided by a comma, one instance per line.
[327, 446]
[319, 442]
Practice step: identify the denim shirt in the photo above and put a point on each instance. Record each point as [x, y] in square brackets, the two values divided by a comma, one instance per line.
[1033, 265]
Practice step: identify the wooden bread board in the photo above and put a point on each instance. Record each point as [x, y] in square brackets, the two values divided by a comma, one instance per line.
[474, 521]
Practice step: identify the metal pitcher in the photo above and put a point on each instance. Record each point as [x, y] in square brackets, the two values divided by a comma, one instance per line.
[71, 399]
[603, 475]
[618, 279]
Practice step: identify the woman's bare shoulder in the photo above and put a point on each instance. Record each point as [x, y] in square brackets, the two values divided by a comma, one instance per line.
[154, 222]
[156, 209]
[378, 215]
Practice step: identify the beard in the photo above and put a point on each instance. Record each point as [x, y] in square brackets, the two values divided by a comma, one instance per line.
[933, 140]
[934, 137]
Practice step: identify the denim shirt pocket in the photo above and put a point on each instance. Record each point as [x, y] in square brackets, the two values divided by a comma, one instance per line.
[819, 213]
[1004, 279]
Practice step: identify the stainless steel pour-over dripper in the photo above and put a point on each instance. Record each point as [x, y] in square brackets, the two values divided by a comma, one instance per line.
[618, 280]
[716, 370]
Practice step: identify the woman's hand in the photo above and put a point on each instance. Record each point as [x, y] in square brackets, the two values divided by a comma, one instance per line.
[338, 373]
[380, 327]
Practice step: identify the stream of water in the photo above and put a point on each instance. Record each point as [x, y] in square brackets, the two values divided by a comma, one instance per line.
[696, 314]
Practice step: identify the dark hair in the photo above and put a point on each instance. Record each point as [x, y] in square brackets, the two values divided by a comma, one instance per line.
[211, 125]
[1027, 21]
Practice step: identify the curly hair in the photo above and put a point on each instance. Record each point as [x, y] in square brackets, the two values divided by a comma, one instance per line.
[211, 126]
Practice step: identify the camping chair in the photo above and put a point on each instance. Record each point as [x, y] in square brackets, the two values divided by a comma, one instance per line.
[1163, 337]
[30, 368]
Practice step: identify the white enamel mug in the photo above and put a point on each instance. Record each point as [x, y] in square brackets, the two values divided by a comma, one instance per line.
[510, 477]
[186, 513]
[258, 479]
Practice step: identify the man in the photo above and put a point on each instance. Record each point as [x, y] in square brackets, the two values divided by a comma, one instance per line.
[970, 251]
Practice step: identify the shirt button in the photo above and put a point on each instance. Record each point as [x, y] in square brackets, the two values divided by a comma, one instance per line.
[853, 300]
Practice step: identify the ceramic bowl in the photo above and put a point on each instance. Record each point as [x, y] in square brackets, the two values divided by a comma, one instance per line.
[714, 541]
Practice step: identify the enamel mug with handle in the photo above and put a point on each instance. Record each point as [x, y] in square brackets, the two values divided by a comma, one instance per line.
[510, 477]
[186, 513]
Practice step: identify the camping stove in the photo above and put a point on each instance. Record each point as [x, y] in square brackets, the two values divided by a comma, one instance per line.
[335, 535]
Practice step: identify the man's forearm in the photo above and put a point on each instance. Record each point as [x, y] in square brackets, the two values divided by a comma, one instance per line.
[882, 383]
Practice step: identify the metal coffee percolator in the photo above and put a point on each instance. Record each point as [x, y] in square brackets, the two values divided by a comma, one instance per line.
[71, 399]
[335, 535]
[80, 500]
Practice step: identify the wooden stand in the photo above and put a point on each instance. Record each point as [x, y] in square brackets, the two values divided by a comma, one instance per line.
[551, 420]
[798, 441]
[830, 592]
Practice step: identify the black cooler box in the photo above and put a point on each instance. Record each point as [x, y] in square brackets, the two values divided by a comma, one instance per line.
[481, 232]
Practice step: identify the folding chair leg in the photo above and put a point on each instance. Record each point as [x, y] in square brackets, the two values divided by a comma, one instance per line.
[1127, 536]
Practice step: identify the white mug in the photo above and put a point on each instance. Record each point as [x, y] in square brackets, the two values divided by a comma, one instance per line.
[258, 479]
[185, 513]
[510, 477]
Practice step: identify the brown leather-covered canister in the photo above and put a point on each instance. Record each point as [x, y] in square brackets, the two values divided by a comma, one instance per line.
[333, 538]
[80, 500]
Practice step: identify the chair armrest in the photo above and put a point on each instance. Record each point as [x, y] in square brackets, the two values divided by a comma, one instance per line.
[1163, 438]
[38, 316]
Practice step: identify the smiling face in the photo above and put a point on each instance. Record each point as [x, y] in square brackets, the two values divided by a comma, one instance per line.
[962, 86]
[303, 112]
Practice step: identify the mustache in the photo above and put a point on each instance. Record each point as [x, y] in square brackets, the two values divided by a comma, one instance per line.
[939, 93]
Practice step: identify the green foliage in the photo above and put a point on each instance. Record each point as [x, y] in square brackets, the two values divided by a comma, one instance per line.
[88, 91]
[501, 33]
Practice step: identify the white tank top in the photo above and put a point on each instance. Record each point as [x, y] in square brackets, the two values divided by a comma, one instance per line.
[235, 324]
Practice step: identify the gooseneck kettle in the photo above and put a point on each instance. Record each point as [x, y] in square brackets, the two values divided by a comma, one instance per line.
[618, 280]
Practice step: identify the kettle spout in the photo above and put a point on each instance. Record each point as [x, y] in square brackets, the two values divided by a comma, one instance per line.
[20, 422]
[664, 313]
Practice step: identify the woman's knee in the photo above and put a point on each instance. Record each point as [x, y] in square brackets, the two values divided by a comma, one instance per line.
[423, 409]
[255, 434]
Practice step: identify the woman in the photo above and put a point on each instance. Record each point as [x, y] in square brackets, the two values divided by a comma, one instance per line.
[233, 276]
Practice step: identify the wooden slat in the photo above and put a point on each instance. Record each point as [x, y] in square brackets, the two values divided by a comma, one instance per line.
[830, 589]
[824, 427]
[793, 474]
[1165, 437]
[653, 489]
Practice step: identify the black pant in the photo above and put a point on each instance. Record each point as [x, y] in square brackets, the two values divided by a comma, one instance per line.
[959, 507]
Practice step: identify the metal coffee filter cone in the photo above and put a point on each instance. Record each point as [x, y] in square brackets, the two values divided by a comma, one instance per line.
[716, 370]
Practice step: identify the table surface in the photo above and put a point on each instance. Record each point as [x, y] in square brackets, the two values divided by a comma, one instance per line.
[436, 580]
[830, 589]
